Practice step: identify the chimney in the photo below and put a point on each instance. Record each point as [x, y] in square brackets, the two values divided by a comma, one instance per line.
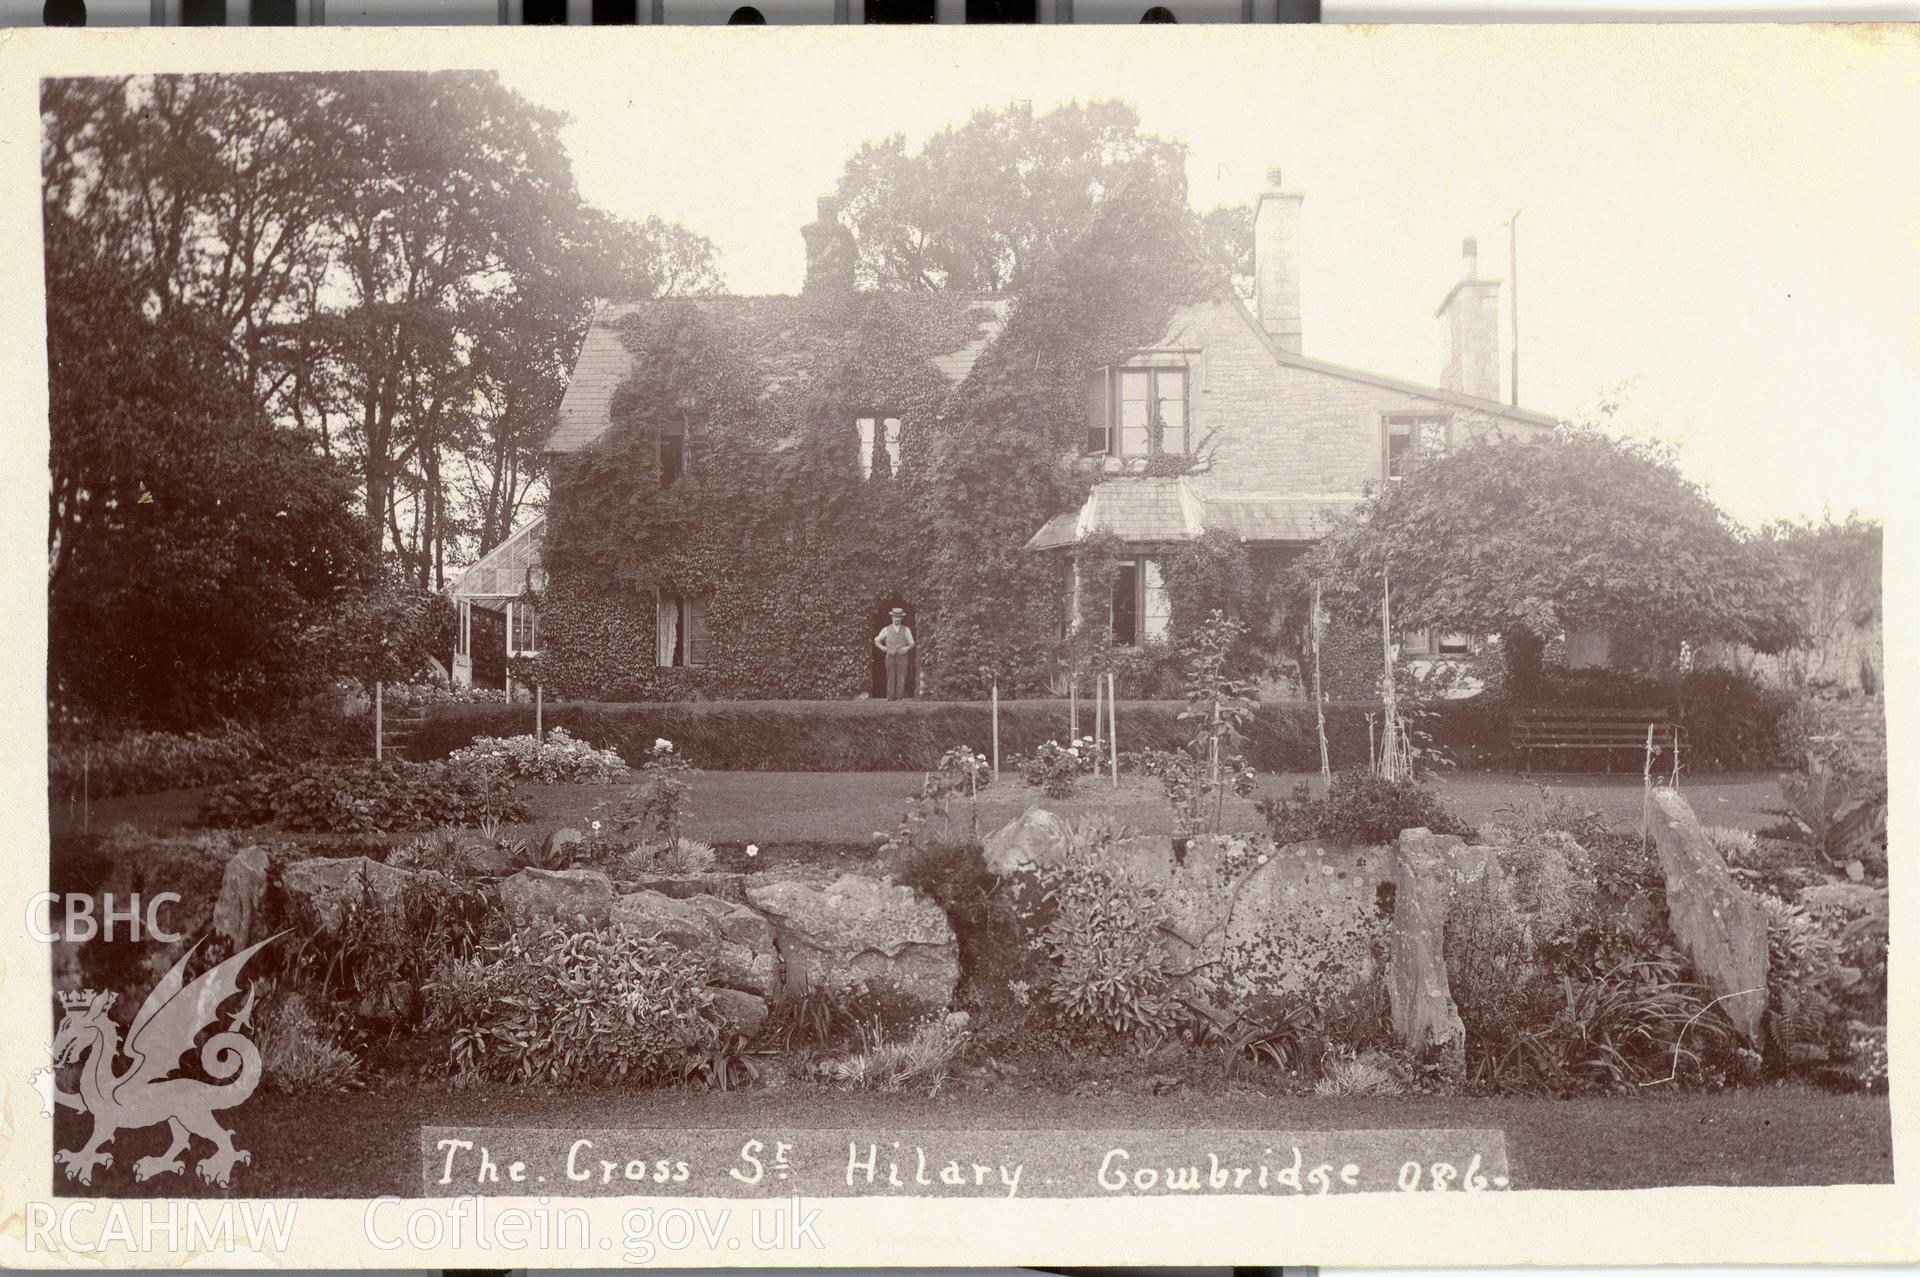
[1470, 318]
[1276, 262]
[830, 252]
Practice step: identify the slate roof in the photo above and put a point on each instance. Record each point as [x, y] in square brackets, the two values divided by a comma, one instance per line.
[792, 337]
[1156, 511]
[509, 569]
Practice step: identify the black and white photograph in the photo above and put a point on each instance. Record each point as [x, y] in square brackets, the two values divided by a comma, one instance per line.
[708, 649]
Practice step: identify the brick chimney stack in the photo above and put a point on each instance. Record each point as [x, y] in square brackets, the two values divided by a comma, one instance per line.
[830, 252]
[1276, 262]
[1470, 319]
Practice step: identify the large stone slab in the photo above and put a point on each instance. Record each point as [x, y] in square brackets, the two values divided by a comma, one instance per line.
[741, 1012]
[1425, 867]
[736, 943]
[581, 896]
[322, 894]
[726, 886]
[1033, 838]
[243, 890]
[887, 946]
[1719, 926]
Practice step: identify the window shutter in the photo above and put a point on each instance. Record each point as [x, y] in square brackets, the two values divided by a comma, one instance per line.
[1097, 421]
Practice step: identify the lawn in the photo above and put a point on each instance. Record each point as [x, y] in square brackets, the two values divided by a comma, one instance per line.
[848, 808]
[1773, 1136]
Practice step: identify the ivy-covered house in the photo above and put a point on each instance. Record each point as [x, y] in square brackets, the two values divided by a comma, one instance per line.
[735, 482]
[744, 486]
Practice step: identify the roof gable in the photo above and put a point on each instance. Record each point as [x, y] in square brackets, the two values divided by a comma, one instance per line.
[790, 337]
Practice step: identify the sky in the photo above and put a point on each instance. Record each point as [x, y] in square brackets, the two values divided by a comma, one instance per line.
[1722, 220]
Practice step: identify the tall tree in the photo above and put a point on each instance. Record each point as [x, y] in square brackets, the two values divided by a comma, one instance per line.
[190, 543]
[408, 299]
[979, 206]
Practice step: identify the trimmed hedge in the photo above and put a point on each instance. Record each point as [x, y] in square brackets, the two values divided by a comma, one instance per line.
[875, 735]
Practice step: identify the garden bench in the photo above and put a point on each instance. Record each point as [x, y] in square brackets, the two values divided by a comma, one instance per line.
[1603, 730]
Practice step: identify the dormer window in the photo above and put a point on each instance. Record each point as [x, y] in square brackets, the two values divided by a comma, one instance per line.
[885, 432]
[1138, 411]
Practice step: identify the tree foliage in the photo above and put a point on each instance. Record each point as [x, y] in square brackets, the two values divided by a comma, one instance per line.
[1529, 540]
[189, 543]
[410, 299]
[981, 206]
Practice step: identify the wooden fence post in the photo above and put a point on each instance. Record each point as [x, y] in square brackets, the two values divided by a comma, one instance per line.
[379, 733]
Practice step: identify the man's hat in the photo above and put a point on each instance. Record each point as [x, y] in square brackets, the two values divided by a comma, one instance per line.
[899, 611]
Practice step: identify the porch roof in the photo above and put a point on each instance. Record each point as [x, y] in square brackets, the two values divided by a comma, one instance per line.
[1156, 511]
[508, 570]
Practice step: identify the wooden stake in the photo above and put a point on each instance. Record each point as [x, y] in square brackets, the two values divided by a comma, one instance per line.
[1389, 764]
[1099, 698]
[1319, 697]
[996, 727]
[539, 729]
[1073, 705]
[378, 733]
[1113, 730]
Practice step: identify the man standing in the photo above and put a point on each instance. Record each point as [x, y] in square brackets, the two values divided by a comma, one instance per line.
[896, 640]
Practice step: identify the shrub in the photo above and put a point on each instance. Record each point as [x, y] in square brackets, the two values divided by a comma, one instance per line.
[1108, 973]
[1545, 812]
[429, 692]
[922, 1059]
[1808, 982]
[687, 856]
[994, 940]
[1368, 1075]
[298, 1054]
[1187, 777]
[371, 959]
[1053, 767]
[366, 796]
[961, 774]
[547, 1004]
[142, 762]
[444, 851]
[1359, 808]
[556, 759]
[1838, 813]
[1493, 970]
[1735, 846]
[1639, 1022]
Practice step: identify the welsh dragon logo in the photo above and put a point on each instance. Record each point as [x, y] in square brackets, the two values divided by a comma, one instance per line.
[146, 1092]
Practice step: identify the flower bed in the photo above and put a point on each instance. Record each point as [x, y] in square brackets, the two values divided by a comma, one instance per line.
[556, 759]
[358, 797]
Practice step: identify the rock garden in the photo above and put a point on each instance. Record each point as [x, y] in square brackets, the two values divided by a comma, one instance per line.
[1366, 942]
